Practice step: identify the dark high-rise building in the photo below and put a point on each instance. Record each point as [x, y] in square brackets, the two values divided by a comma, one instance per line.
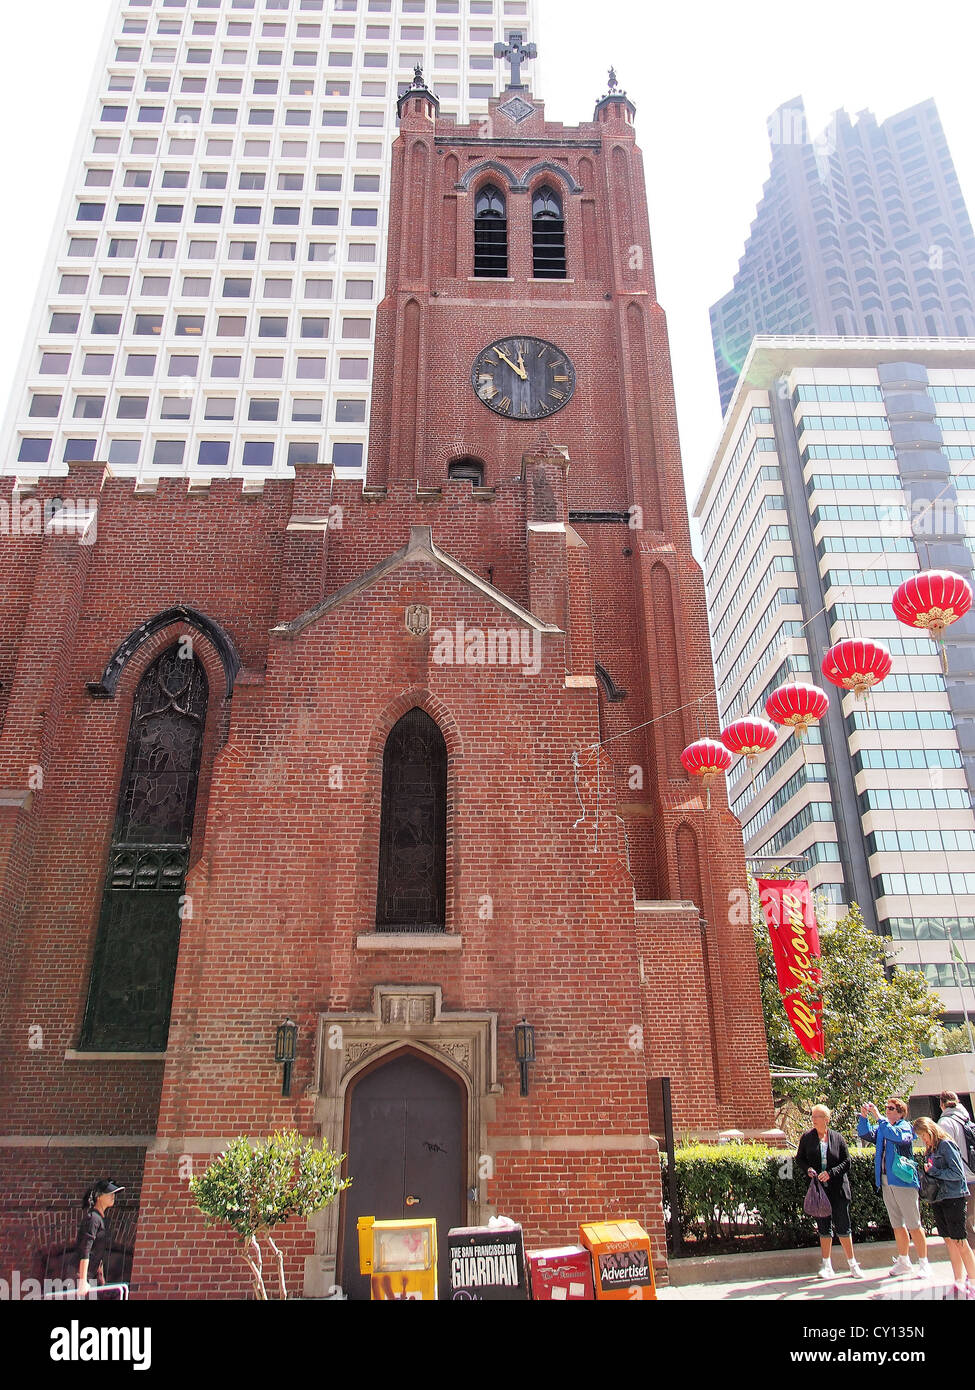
[862, 231]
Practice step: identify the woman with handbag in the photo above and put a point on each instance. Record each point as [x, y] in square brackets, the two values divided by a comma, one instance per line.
[943, 1168]
[822, 1152]
[896, 1176]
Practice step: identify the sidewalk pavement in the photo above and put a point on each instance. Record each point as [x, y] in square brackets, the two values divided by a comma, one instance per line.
[792, 1275]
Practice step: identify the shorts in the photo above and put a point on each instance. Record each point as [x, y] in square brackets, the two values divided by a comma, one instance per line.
[902, 1206]
[838, 1222]
[949, 1217]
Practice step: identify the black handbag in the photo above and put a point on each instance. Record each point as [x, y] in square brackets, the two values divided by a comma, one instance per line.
[930, 1187]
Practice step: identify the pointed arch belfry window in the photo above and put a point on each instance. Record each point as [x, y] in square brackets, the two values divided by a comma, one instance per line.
[548, 235]
[413, 827]
[134, 965]
[490, 232]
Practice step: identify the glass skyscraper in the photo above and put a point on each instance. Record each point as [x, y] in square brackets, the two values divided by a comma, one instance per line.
[845, 466]
[862, 231]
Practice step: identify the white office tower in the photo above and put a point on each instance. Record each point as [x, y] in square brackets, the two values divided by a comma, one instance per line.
[209, 298]
[844, 467]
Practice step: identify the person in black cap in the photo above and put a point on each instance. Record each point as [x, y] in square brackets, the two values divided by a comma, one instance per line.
[91, 1236]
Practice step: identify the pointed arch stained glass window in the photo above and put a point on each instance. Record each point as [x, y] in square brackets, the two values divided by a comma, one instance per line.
[134, 965]
[413, 827]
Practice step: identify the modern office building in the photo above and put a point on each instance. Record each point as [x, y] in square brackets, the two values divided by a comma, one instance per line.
[209, 296]
[863, 231]
[844, 467]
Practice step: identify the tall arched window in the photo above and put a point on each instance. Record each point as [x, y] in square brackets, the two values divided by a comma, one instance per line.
[490, 232]
[413, 828]
[548, 235]
[134, 965]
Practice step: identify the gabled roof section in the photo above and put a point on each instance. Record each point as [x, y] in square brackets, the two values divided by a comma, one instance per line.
[420, 549]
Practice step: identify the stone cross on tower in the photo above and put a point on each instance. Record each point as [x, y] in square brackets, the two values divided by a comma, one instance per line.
[517, 51]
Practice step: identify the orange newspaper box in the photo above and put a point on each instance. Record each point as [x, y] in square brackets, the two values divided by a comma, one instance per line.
[622, 1264]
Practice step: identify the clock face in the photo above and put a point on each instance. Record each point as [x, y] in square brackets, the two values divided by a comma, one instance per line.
[523, 378]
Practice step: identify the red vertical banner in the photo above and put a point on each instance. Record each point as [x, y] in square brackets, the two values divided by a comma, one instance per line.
[791, 921]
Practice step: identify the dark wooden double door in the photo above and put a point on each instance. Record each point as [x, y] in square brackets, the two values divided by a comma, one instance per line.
[405, 1128]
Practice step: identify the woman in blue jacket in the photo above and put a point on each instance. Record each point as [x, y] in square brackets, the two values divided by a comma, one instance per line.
[898, 1183]
[944, 1163]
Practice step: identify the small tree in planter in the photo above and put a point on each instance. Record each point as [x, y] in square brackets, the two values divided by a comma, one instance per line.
[253, 1189]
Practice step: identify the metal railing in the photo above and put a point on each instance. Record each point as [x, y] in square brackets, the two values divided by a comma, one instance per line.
[97, 1293]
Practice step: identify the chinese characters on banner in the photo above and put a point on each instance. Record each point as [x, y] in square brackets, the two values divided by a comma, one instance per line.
[791, 922]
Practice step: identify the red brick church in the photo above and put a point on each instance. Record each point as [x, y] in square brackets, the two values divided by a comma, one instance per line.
[398, 762]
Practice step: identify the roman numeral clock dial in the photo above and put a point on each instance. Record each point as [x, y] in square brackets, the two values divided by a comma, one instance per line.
[523, 378]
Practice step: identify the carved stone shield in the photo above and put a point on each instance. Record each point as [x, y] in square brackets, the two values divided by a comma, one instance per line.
[516, 109]
[418, 619]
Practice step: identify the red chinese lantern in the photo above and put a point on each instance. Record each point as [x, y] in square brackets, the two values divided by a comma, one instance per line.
[705, 759]
[856, 664]
[932, 600]
[749, 737]
[798, 705]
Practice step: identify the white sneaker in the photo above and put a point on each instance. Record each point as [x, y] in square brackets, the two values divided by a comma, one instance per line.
[856, 1272]
[826, 1270]
[901, 1265]
[923, 1270]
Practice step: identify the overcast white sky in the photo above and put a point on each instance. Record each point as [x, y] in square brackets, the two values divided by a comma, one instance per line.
[704, 77]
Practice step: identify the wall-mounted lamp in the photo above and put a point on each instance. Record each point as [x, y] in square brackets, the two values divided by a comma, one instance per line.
[285, 1047]
[524, 1050]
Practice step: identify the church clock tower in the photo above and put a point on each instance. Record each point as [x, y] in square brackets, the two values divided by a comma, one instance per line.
[520, 340]
[523, 408]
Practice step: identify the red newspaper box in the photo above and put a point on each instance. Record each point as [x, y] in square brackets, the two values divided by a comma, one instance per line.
[561, 1274]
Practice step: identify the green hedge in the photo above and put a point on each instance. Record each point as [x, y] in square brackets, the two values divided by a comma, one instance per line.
[726, 1192]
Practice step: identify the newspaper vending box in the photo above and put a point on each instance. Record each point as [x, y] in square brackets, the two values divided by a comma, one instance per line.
[621, 1259]
[400, 1257]
[562, 1274]
[487, 1263]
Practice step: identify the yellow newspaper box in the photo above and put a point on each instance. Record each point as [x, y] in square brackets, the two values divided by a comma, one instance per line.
[400, 1257]
[622, 1263]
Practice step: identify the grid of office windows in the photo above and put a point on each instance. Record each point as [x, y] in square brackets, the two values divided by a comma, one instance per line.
[913, 884]
[931, 928]
[810, 813]
[943, 974]
[866, 759]
[914, 799]
[850, 482]
[842, 422]
[758, 777]
[210, 302]
[899, 719]
[849, 473]
[919, 841]
[812, 772]
[823, 391]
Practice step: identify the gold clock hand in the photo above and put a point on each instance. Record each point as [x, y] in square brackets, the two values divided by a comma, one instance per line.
[518, 371]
